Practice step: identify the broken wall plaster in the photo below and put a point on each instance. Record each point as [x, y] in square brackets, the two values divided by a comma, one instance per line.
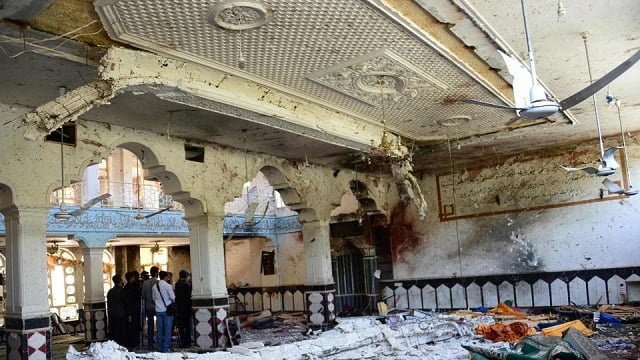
[553, 239]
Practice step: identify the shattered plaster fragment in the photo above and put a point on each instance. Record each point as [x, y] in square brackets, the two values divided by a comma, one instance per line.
[50, 116]
[408, 186]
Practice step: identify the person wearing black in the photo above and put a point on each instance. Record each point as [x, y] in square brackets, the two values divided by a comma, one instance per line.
[183, 304]
[116, 311]
[132, 295]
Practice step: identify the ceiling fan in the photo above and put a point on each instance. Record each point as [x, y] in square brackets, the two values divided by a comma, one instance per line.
[530, 98]
[610, 185]
[249, 220]
[63, 213]
[139, 215]
[607, 163]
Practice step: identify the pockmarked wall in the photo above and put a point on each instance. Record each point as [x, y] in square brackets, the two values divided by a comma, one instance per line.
[526, 215]
[244, 263]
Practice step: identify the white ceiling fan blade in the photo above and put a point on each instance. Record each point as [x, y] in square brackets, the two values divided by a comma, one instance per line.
[521, 80]
[156, 213]
[249, 212]
[90, 203]
[484, 103]
[608, 160]
[612, 187]
[587, 169]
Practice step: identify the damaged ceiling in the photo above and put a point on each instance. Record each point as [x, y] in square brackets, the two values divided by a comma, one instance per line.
[430, 54]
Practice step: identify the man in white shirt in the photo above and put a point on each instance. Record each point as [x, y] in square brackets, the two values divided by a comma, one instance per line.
[163, 296]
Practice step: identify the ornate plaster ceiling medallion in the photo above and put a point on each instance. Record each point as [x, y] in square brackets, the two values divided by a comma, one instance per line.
[239, 15]
[455, 120]
[380, 83]
[381, 73]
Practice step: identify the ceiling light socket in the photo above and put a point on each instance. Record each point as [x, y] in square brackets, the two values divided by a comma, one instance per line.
[239, 15]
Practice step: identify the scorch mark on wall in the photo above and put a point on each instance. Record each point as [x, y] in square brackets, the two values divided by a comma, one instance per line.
[526, 257]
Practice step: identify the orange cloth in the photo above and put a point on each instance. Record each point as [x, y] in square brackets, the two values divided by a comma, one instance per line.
[504, 309]
[500, 332]
[559, 329]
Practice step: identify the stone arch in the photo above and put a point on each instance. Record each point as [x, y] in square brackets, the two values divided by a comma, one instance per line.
[361, 192]
[6, 196]
[170, 181]
[290, 196]
[152, 165]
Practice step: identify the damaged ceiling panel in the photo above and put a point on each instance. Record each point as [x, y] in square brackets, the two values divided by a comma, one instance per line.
[395, 64]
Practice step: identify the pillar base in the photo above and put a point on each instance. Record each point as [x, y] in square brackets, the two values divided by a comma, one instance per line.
[95, 321]
[320, 305]
[28, 338]
[210, 325]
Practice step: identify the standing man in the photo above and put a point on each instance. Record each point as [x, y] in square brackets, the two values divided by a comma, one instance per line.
[132, 295]
[149, 304]
[163, 296]
[183, 304]
[116, 311]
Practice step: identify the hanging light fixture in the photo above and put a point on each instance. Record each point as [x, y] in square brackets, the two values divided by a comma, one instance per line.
[63, 214]
[53, 248]
[389, 148]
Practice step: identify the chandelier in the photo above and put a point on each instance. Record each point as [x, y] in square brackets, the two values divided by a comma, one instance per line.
[389, 148]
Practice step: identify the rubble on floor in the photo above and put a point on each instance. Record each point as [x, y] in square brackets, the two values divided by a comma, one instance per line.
[410, 334]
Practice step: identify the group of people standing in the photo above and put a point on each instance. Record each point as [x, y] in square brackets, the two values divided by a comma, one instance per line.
[148, 297]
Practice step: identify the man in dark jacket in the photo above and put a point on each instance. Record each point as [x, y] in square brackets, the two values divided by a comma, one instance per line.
[183, 305]
[149, 304]
[116, 311]
[132, 296]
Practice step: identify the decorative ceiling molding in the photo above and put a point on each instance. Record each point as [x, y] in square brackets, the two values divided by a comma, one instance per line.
[239, 15]
[379, 75]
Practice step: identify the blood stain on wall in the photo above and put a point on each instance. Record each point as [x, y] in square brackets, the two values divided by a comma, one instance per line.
[402, 230]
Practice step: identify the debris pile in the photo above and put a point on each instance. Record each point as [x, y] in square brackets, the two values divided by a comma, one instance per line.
[499, 333]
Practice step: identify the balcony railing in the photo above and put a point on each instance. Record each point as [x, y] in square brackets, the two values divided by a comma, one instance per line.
[123, 195]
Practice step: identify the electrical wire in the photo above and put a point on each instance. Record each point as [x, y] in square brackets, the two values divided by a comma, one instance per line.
[453, 192]
[43, 49]
[37, 41]
[593, 96]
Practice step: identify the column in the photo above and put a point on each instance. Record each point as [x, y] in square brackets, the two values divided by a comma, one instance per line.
[94, 305]
[28, 321]
[319, 284]
[209, 297]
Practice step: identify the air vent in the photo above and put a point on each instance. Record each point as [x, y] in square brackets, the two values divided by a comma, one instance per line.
[69, 138]
[194, 153]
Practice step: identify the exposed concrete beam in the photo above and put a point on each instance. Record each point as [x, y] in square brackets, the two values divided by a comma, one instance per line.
[50, 116]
